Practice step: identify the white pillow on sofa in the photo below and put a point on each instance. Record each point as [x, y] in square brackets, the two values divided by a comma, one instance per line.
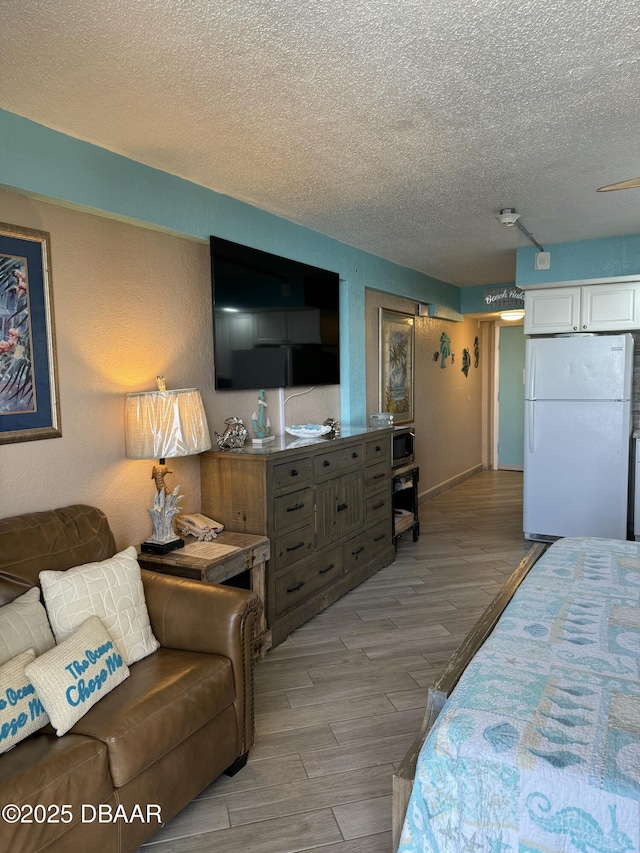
[21, 711]
[24, 625]
[77, 673]
[112, 590]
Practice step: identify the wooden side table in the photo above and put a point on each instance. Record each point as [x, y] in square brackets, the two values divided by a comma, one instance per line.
[221, 560]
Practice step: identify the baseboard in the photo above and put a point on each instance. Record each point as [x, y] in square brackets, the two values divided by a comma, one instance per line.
[450, 483]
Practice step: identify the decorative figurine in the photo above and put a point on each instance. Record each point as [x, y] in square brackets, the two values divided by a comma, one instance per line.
[260, 423]
[445, 349]
[476, 352]
[466, 361]
[335, 428]
[234, 435]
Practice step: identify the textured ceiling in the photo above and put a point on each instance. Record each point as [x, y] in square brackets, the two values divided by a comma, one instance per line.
[397, 126]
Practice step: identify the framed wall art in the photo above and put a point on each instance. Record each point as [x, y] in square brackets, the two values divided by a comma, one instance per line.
[29, 407]
[396, 365]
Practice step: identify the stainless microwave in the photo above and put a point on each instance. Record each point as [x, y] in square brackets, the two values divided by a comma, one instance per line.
[402, 446]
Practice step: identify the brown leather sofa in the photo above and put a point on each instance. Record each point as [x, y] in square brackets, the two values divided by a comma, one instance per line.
[183, 717]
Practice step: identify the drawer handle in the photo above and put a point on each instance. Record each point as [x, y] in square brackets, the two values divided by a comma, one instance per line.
[295, 547]
[354, 455]
[294, 473]
[378, 476]
[342, 507]
[358, 551]
[294, 508]
[295, 588]
[328, 569]
[326, 463]
[379, 538]
[378, 505]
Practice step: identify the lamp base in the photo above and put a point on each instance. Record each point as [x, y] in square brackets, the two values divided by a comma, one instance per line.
[150, 547]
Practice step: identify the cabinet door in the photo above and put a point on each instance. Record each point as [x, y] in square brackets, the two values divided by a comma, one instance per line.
[610, 307]
[351, 506]
[326, 513]
[551, 310]
[339, 508]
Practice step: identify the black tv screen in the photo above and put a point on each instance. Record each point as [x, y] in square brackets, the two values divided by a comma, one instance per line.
[276, 321]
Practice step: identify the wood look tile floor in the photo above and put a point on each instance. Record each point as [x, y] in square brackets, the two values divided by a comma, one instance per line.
[339, 703]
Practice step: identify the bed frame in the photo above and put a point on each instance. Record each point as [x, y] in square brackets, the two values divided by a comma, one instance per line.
[447, 680]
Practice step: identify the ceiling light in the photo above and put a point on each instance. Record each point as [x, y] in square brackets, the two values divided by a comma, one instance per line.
[516, 314]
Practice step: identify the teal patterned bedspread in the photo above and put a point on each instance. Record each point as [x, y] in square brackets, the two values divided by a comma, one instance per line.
[538, 747]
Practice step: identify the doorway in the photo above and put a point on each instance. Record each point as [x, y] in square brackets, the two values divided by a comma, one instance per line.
[509, 402]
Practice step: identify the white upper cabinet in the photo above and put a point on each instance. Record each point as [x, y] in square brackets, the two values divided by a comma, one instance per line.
[610, 307]
[590, 308]
[554, 309]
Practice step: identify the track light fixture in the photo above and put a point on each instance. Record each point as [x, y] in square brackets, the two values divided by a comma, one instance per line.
[509, 217]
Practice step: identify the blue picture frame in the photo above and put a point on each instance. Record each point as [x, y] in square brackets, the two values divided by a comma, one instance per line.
[29, 400]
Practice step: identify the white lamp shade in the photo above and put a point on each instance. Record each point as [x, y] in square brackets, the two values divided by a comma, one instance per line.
[162, 424]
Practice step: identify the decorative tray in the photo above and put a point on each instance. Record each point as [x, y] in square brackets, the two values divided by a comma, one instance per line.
[308, 430]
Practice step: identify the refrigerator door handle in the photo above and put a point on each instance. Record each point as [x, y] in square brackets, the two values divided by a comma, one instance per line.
[531, 375]
[531, 426]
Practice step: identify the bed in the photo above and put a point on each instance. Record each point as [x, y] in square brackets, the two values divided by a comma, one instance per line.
[537, 748]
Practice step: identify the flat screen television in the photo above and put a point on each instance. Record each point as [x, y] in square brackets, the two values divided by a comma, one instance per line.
[276, 322]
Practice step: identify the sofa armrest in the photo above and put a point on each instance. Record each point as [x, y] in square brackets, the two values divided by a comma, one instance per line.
[212, 619]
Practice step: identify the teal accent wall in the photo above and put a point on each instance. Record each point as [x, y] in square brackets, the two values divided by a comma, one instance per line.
[49, 165]
[605, 257]
[602, 258]
[511, 397]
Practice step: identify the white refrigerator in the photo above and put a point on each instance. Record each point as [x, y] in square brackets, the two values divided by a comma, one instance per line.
[577, 436]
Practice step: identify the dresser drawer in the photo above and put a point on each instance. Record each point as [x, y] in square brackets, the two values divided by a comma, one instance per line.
[293, 509]
[376, 476]
[328, 567]
[292, 588]
[378, 450]
[378, 507]
[362, 549]
[335, 461]
[303, 581]
[292, 547]
[292, 474]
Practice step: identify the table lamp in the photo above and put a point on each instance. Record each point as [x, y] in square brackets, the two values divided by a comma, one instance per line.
[158, 425]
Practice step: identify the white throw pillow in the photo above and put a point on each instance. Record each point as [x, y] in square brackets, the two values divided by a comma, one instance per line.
[76, 674]
[21, 711]
[24, 625]
[112, 590]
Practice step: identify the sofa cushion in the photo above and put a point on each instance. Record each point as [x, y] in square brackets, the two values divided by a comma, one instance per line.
[76, 674]
[24, 625]
[21, 711]
[50, 772]
[110, 589]
[167, 697]
[56, 539]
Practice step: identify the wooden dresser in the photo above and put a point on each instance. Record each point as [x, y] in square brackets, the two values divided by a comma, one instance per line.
[326, 507]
